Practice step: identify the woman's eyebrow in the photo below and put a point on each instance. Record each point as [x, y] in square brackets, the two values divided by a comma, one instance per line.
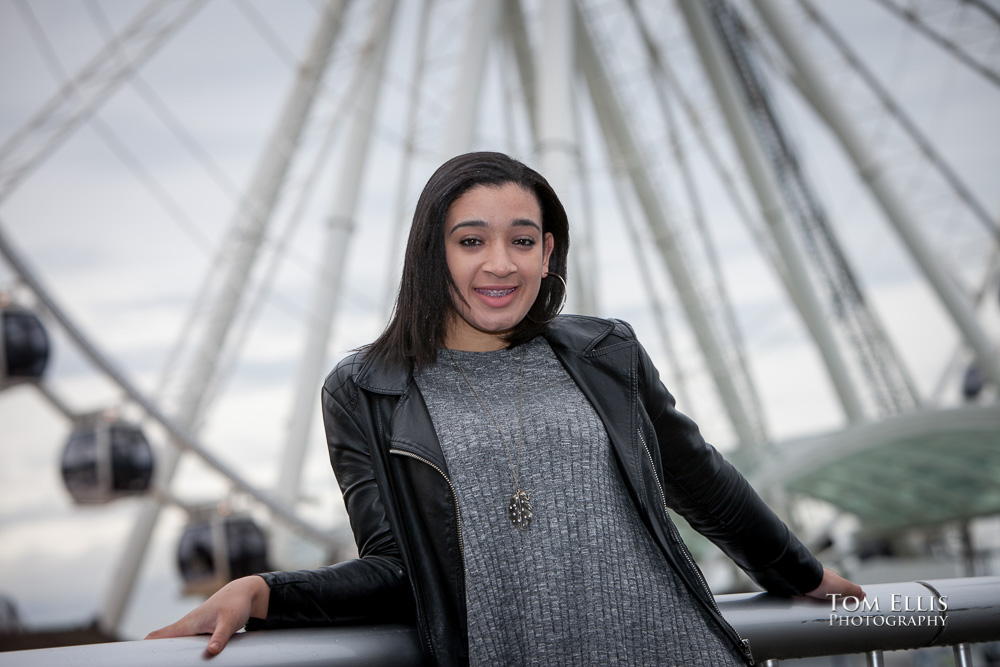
[518, 222]
[468, 223]
[526, 222]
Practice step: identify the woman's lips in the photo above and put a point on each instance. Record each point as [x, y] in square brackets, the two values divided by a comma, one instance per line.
[495, 293]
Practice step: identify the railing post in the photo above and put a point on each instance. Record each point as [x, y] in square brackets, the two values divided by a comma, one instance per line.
[963, 655]
[875, 659]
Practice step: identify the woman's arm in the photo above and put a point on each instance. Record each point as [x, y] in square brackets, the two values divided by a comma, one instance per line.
[719, 503]
[373, 587]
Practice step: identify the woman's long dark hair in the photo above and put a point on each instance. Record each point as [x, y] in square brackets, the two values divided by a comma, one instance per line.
[424, 302]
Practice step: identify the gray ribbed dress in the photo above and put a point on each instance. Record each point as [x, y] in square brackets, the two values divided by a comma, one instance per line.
[584, 584]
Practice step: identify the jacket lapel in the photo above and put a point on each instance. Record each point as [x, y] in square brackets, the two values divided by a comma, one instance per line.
[418, 437]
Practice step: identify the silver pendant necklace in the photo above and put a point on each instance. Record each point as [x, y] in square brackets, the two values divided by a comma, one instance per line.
[519, 508]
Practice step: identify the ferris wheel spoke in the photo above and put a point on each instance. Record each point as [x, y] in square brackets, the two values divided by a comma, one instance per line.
[77, 100]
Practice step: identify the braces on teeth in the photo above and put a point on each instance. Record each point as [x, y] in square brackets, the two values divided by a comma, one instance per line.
[496, 292]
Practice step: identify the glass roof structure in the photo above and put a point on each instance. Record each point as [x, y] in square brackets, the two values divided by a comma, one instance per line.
[913, 470]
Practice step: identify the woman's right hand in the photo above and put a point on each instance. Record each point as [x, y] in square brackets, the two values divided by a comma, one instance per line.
[223, 614]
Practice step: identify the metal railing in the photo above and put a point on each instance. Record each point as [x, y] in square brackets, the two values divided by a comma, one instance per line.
[908, 615]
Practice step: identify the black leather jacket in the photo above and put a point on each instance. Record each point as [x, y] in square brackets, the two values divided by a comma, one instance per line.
[404, 514]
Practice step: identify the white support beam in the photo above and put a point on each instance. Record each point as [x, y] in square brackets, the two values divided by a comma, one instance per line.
[874, 174]
[557, 145]
[400, 229]
[763, 180]
[516, 33]
[741, 369]
[251, 223]
[313, 361]
[621, 143]
[465, 97]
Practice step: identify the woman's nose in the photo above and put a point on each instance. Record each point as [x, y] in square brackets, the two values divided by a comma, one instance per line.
[499, 263]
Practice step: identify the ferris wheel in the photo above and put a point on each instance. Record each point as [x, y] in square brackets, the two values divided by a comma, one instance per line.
[794, 203]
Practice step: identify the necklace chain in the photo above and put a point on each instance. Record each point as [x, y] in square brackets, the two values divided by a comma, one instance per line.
[520, 507]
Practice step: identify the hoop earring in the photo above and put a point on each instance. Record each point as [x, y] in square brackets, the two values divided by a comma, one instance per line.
[561, 305]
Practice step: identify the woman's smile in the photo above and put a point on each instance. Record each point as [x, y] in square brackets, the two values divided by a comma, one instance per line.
[495, 293]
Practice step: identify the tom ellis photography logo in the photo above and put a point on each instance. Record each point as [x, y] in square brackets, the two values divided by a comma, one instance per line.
[899, 610]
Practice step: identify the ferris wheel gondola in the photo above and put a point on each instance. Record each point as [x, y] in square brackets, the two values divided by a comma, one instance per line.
[218, 546]
[105, 459]
[24, 344]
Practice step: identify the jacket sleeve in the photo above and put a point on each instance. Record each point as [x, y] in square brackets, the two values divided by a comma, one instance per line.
[718, 502]
[373, 587]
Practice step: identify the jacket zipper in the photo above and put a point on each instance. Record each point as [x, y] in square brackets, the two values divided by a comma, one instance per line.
[454, 495]
[744, 643]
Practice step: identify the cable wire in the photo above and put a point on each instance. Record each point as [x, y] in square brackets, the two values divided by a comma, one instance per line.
[159, 193]
[914, 19]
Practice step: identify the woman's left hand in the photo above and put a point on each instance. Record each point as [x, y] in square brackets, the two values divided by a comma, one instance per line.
[834, 584]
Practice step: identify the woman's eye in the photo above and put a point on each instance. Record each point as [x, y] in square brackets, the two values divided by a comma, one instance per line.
[527, 241]
[470, 242]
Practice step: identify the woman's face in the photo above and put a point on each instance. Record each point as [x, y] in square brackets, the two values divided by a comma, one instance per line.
[497, 256]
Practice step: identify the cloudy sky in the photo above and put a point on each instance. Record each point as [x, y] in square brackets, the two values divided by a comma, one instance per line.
[125, 219]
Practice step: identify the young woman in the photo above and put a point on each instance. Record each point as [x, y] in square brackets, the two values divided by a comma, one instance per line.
[508, 471]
